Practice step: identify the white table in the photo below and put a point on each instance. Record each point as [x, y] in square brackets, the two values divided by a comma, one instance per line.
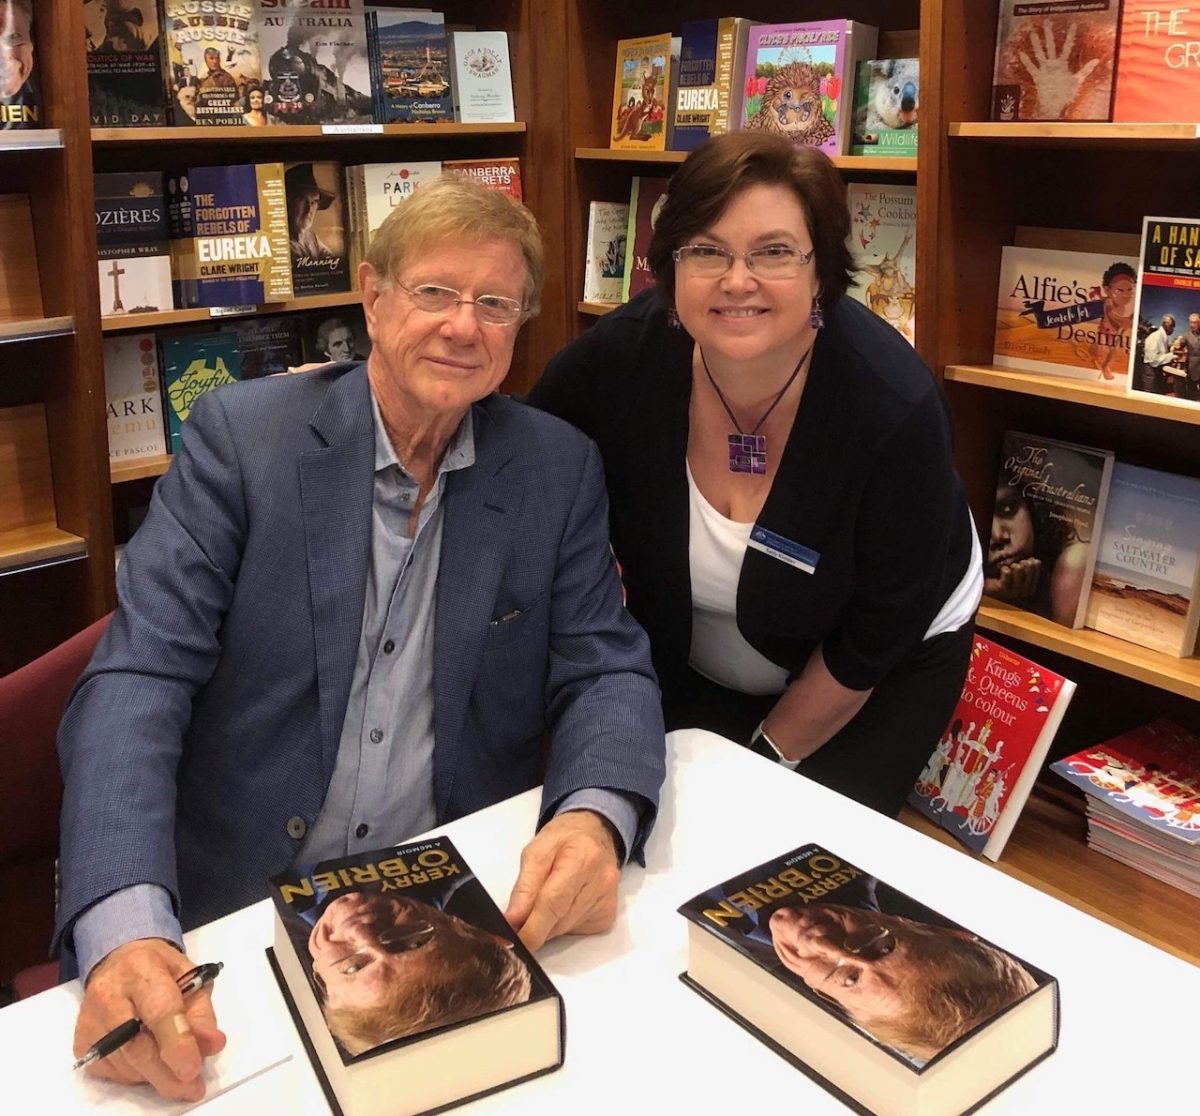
[637, 1039]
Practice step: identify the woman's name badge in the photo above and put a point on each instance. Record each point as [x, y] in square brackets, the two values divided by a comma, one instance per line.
[792, 553]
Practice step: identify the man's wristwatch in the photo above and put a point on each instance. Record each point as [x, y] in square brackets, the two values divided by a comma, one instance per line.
[761, 744]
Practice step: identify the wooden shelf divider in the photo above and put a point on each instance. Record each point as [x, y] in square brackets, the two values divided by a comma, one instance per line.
[282, 133]
[138, 468]
[33, 329]
[597, 309]
[33, 139]
[864, 163]
[124, 323]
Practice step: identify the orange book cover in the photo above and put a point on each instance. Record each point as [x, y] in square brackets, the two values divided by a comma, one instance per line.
[1158, 67]
[639, 118]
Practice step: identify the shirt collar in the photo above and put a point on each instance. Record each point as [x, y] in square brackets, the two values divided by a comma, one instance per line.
[460, 454]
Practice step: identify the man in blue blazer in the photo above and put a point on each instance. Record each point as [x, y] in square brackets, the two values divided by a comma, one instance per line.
[361, 599]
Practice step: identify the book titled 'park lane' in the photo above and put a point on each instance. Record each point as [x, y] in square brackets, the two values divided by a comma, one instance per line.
[892, 1007]
[410, 990]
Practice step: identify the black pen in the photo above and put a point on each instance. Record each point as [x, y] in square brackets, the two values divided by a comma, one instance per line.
[191, 981]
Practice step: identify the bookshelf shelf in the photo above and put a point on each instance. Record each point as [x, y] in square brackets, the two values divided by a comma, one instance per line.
[1179, 676]
[137, 137]
[37, 545]
[1082, 135]
[35, 139]
[138, 468]
[1071, 391]
[124, 323]
[597, 309]
[33, 329]
[864, 163]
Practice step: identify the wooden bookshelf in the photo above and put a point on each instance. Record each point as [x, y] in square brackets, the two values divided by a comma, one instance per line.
[1083, 392]
[866, 164]
[597, 309]
[139, 468]
[35, 329]
[298, 133]
[124, 323]
[32, 139]
[1127, 136]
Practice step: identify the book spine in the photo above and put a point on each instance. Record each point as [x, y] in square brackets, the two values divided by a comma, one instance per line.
[630, 238]
[858, 45]
[1093, 549]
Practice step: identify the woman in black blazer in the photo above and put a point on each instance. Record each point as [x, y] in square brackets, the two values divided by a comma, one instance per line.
[784, 505]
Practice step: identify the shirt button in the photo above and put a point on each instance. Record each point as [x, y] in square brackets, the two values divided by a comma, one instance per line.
[297, 827]
[376, 736]
[389, 647]
[362, 831]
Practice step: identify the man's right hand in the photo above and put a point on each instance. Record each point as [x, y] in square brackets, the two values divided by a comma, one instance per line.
[137, 980]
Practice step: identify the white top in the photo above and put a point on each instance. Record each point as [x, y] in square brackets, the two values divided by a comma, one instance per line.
[719, 651]
[1106, 976]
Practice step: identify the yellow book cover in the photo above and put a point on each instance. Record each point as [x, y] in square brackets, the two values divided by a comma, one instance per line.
[639, 119]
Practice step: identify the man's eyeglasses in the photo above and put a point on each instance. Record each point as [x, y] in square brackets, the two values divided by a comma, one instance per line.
[397, 939]
[775, 261]
[489, 309]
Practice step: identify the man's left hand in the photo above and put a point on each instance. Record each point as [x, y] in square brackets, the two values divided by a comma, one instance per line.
[568, 880]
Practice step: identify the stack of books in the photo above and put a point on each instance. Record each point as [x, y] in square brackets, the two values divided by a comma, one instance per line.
[1143, 800]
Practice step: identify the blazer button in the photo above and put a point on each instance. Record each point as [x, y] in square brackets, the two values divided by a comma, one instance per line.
[297, 827]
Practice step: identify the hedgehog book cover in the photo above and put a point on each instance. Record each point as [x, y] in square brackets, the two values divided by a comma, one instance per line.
[800, 80]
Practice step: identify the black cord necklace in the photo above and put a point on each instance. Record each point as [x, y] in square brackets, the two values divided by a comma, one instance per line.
[748, 449]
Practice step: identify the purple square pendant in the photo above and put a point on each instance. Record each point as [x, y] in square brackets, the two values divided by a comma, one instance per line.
[748, 453]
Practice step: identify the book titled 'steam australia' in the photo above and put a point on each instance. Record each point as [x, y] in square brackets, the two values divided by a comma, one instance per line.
[229, 236]
[212, 60]
[410, 66]
[1165, 360]
[1050, 500]
[409, 989]
[133, 256]
[192, 365]
[712, 72]
[133, 397]
[315, 68]
[1146, 585]
[984, 766]
[798, 949]
[20, 94]
[125, 64]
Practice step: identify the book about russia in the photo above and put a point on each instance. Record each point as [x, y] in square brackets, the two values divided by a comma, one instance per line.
[800, 80]
[980, 774]
[1165, 360]
[1146, 584]
[800, 951]
[643, 79]
[1050, 500]
[409, 989]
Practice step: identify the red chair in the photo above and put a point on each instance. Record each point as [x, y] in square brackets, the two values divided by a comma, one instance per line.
[32, 701]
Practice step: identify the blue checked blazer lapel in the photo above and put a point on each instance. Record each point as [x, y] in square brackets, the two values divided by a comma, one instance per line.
[481, 507]
[336, 488]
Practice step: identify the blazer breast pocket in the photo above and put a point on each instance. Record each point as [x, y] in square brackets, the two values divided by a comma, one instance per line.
[511, 624]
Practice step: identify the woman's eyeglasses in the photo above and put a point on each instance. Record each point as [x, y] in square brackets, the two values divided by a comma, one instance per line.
[775, 261]
[489, 309]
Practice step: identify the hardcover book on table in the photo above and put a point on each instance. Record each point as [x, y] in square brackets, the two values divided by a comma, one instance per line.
[410, 990]
[1055, 60]
[640, 92]
[20, 93]
[496, 174]
[212, 61]
[1050, 499]
[887, 102]
[1157, 80]
[410, 66]
[125, 65]
[608, 224]
[1165, 360]
[1146, 585]
[133, 397]
[883, 233]
[1065, 313]
[315, 68]
[646, 198]
[803, 80]
[980, 774]
[712, 72]
[132, 248]
[193, 364]
[317, 238]
[891, 1006]
[483, 77]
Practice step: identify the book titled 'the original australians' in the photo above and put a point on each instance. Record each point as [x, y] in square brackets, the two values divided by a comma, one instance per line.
[409, 989]
[892, 1007]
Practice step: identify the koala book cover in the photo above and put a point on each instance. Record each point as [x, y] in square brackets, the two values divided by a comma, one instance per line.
[800, 80]
[411, 989]
[887, 100]
[1055, 60]
[891, 1006]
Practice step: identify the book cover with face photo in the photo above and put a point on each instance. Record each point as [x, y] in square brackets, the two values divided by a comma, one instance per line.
[20, 96]
[317, 227]
[339, 333]
[888, 1004]
[212, 61]
[409, 987]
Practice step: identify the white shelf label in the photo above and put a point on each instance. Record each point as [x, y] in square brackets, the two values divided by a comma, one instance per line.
[352, 129]
[229, 311]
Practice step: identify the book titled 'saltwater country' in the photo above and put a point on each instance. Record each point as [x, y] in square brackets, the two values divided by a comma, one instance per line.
[889, 1005]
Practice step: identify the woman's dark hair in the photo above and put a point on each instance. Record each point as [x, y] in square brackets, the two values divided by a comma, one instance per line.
[717, 171]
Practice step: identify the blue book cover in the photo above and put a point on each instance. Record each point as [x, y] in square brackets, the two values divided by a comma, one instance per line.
[193, 365]
[410, 66]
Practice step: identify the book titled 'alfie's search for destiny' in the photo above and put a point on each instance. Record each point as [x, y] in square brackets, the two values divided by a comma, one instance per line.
[793, 948]
[983, 768]
[409, 989]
